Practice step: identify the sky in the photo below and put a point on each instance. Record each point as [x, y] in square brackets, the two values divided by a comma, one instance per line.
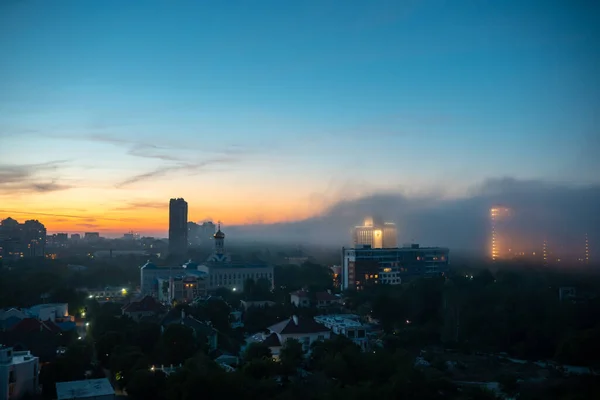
[263, 112]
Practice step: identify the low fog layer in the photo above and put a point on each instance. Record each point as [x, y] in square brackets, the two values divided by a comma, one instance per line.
[561, 214]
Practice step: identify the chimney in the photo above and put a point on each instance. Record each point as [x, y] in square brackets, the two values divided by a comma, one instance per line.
[295, 318]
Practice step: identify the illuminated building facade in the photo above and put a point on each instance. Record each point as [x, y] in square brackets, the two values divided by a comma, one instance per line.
[500, 246]
[375, 234]
[587, 250]
[364, 265]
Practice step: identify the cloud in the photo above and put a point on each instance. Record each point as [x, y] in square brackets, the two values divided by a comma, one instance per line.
[84, 218]
[560, 213]
[142, 204]
[29, 178]
[190, 168]
[92, 226]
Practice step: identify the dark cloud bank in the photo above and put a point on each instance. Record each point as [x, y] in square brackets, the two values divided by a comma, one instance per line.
[560, 213]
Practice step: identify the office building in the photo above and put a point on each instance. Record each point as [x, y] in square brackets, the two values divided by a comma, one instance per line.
[362, 266]
[19, 373]
[376, 234]
[178, 229]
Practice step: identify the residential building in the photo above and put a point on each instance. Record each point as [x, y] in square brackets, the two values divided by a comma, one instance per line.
[223, 272]
[178, 229]
[376, 234]
[146, 307]
[365, 265]
[346, 325]
[246, 304]
[75, 237]
[19, 373]
[304, 298]
[305, 330]
[150, 273]
[50, 311]
[22, 240]
[91, 236]
[96, 389]
[200, 234]
[182, 288]
[108, 293]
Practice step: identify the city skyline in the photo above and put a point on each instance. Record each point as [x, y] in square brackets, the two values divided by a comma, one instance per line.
[254, 120]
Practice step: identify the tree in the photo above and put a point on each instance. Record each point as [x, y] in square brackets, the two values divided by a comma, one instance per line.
[147, 385]
[291, 356]
[177, 344]
[257, 351]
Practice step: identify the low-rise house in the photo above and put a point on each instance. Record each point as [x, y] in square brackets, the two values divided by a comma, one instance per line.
[257, 303]
[348, 326]
[304, 298]
[146, 307]
[305, 330]
[19, 373]
[42, 338]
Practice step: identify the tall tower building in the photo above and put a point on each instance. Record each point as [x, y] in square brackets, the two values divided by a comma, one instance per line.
[500, 239]
[587, 250]
[178, 230]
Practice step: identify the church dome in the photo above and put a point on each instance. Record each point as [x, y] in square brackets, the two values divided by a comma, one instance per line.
[219, 235]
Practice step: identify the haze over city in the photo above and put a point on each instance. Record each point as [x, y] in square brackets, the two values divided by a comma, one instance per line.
[295, 120]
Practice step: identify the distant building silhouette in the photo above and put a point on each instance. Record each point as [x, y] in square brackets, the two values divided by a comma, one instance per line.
[200, 234]
[22, 240]
[178, 229]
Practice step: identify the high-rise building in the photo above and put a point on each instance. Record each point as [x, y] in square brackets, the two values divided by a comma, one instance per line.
[376, 234]
[178, 229]
[200, 234]
[587, 249]
[500, 243]
[22, 240]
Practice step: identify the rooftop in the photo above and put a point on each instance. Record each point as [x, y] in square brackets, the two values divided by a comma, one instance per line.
[22, 356]
[298, 325]
[319, 296]
[339, 320]
[90, 388]
[146, 304]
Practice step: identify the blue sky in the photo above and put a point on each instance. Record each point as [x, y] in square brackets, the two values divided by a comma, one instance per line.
[294, 98]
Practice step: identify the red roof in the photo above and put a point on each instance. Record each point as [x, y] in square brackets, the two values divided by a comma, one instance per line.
[272, 341]
[28, 325]
[146, 304]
